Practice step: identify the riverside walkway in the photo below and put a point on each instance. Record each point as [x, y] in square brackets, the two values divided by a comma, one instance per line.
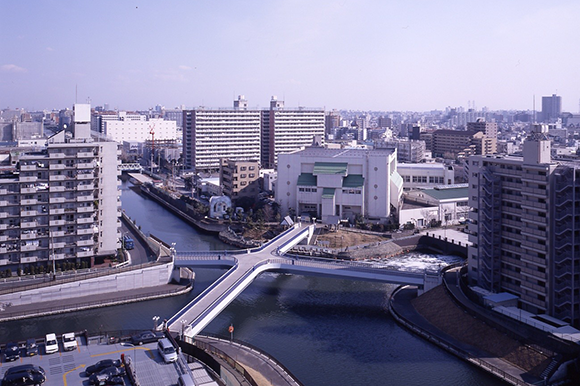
[248, 264]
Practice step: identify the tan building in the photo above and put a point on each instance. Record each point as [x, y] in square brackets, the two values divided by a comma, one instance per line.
[240, 178]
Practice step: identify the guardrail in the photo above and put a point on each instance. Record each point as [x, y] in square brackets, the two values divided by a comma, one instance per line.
[178, 315]
[259, 352]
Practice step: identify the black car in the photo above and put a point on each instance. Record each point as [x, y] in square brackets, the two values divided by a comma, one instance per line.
[101, 365]
[107, 375]
[147, 337]
[104, 379]
[31, 347]
[24, 375]
[11, 352]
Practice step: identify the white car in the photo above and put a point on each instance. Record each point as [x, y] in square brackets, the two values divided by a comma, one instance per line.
[50, 344]
[69, 342]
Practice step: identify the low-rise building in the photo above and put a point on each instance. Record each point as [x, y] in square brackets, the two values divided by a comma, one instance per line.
[425, 175]
[339, 182]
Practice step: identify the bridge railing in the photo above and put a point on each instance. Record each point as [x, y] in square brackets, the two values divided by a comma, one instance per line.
[210, 255]
[281, 247]
[367, 266]
[278, 237]
[180, 313]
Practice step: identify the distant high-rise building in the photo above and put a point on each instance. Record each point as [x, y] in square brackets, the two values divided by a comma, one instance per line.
[551, 108]
[240, 178]
[332, 120]
[285, 130]
[522, 228]
[210, 135]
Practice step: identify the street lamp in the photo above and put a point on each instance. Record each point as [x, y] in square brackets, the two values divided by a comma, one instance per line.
[183, 324]
[127, 344]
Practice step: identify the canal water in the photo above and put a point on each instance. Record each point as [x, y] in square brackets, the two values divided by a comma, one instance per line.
[326, 331]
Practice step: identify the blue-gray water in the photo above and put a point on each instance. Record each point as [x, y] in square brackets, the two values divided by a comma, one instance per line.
[326, 331]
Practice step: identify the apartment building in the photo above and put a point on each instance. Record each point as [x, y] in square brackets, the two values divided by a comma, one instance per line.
[210, 135]
[243, 133]
[61, 203]
[240, 178]
[285, 130]
[339, 183]
[523, 228]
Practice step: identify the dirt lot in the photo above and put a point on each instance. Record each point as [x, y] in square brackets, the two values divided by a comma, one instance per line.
[341, 238]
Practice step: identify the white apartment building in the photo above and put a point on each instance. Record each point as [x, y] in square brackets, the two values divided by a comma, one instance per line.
[288, 129]
[425, 175]
[213, 134]
[61, 203]
[339, 182]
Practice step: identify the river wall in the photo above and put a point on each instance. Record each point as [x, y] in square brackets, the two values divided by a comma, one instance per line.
[179, 206]
[152, 276]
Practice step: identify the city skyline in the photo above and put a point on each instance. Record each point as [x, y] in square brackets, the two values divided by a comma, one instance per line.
[364, 55]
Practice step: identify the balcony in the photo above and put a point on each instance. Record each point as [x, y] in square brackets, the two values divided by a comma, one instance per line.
[30, 259]
[57, 200]
[85, 154]
[57, 211]
[3, 238]
[88, 231]
[54, 223]
[88, 220]
[86, 209]
[56, 155]
[53, 189]
[85, 187]
[29, 168]
[30, 224]
[3, 227]
[85, 176]
[26, 213]
[32, 201]
[57, 234]
[27, 179]
[85, 165]
[28, 190]
[84, 198]
[84, 243]
[85, 253]
[56, 167]
[57, 245]
[27, 248]
[57, 177]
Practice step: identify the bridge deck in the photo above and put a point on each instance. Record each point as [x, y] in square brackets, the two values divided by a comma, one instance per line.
[247, 266]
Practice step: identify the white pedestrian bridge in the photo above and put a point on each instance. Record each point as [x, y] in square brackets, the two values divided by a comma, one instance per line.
[246, 265]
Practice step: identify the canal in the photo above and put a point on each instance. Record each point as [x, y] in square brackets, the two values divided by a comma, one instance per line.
[326, 331]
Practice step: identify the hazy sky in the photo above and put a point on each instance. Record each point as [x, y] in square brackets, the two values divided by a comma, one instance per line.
[361, 54]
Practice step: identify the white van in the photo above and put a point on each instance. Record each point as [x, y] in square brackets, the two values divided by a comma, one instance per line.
[50, 344]
[69, 342]
[167, 350]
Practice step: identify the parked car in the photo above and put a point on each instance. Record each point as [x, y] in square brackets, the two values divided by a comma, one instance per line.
[69, 342]
[101, 365]
[107, 375]
[24, 375]
[147, 337]
[31, 347]
[11, 352]
[104, 379]
[167, 350]
[50, 344]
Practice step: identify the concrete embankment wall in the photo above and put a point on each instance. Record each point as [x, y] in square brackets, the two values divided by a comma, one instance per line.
[140, 278]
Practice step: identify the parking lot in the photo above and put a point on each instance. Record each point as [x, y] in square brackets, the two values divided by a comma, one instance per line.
[67, 367]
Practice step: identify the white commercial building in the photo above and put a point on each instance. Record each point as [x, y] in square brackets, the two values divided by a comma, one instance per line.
[339, 182]
[138, 129]
[425, 175]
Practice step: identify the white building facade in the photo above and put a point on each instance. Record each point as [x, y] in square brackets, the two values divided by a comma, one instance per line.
[339, 182]
[425, 175]
[139, 130]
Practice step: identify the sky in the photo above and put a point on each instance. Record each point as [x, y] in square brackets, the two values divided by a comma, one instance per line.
[371, 55]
